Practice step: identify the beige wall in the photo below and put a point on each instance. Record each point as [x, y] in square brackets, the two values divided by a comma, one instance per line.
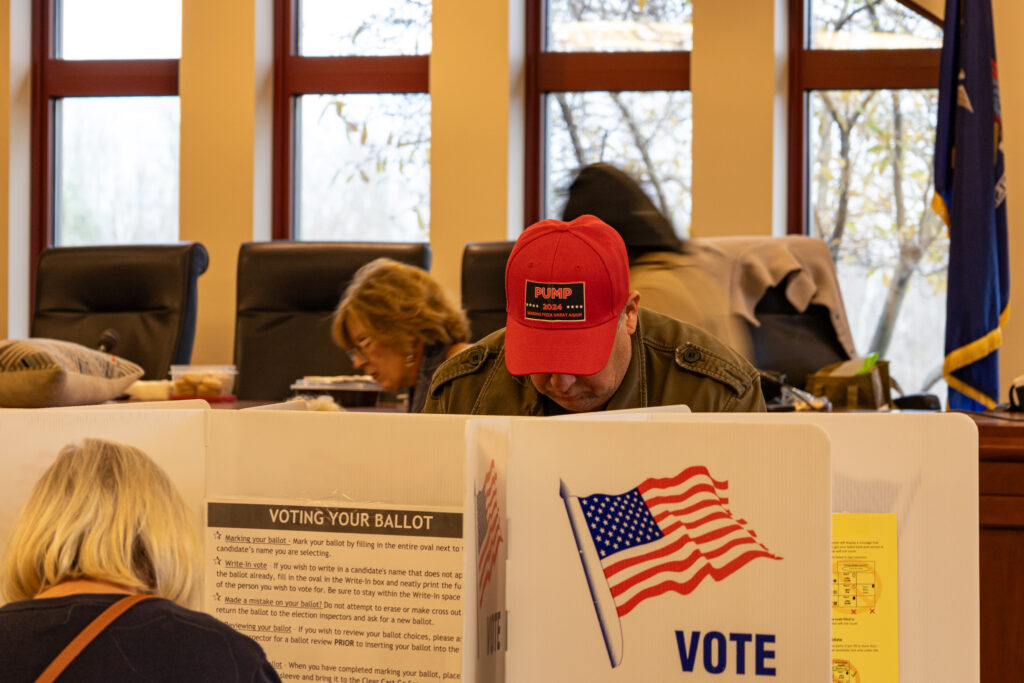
[733, 80]
[936, 7]
[1008, 16]
[472, 114]
[217, 88]
[5, 151]
[15, 101]
[738, 77]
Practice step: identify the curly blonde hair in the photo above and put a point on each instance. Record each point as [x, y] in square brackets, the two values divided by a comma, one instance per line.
[398, 305]
[103, 511]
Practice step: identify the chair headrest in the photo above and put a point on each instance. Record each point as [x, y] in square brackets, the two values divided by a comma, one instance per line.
[310, 276]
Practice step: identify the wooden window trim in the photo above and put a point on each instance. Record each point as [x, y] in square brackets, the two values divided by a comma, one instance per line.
[315, 75]
[43, 112]
[533, 121]
[861, 69]
[54, 78]
[817, 69]
[581, 71]
[295, 75]
[113, 77]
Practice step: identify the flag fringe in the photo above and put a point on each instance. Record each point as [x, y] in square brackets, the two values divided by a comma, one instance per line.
[971, 353]
[970, 392]
[939, 207]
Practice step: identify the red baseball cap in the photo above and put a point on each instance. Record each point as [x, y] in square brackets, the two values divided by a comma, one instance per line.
[565, 286]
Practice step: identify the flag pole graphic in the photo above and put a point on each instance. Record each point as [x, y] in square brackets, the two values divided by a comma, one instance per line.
[604, 604]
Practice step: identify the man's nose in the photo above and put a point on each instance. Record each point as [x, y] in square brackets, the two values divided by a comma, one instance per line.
[562, 383]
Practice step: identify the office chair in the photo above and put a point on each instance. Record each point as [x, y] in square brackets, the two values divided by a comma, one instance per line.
[483, 286]
[136, 301]
[788, 291]
[794, 343]
[287, 293]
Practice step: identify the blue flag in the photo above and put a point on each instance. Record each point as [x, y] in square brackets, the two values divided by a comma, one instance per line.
[970, 195]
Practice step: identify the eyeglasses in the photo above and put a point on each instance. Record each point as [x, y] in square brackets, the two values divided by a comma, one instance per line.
[358, 352]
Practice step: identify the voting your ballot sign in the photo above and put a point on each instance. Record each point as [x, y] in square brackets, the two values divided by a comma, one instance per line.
[703, 555]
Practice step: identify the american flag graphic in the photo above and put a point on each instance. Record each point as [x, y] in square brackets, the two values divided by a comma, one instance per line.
[488, 530]
[668, 534]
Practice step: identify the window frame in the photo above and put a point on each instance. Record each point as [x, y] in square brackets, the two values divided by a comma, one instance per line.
[548, 72]
[54, 78]
[818, 69]
[296, 75]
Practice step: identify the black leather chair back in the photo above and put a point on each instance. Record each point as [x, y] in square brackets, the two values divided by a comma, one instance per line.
[287, 293]
[483, 286]
[793, 343]
[145, 293]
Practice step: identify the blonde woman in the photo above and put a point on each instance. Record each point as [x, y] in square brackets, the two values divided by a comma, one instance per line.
[105, 522]
[397, 325]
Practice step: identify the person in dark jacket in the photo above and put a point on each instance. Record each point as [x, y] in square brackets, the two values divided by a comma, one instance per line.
[616, 198]
[688, 280]
[576, 340]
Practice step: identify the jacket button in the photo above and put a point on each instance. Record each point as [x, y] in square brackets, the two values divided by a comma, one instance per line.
[691, 355]
[476, 356]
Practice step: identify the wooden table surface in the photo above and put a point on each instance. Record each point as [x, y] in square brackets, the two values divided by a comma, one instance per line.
[1001, 541]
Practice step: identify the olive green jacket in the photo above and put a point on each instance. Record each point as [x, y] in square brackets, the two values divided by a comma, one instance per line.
[672, 363]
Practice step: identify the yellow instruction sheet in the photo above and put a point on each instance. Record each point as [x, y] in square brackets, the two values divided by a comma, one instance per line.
[865, 624]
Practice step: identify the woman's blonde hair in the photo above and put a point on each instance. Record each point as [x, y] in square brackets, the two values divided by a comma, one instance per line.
[103, 511]
[398, 305]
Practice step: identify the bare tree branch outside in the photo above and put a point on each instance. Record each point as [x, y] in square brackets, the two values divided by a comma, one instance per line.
[870, 194]
[647, 134]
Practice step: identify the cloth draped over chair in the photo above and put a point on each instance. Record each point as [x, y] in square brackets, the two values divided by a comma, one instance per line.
[774, 299]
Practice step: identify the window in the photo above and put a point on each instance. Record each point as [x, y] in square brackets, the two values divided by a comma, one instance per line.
[352, 120]
[864, 108]
[106, 121]
[608, 81]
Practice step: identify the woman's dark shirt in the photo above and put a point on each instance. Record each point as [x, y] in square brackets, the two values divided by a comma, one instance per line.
[155, 641]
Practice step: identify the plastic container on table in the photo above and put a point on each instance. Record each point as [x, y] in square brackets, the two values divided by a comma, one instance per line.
[210, 382]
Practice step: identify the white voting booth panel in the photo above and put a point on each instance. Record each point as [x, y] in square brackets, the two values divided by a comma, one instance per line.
[410, 470]
[175, 439]
[924, 468]
[741, 590]
[365, 457]
[335, 540]
[362, 514]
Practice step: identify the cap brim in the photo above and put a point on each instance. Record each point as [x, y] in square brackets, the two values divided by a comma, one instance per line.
[572, 351]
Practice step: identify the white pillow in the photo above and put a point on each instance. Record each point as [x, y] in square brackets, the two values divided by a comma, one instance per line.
[40, 373]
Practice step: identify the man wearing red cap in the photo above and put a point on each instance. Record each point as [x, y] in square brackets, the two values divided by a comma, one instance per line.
[576, 340]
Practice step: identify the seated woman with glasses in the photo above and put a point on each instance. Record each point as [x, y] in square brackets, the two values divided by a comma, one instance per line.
[397, 325]
[105, 532]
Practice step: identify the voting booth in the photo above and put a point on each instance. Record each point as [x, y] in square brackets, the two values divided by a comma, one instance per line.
[174, 437]
[904, 544]
[335, 540]
[392, 547]
[697, 548]
[920, 472]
